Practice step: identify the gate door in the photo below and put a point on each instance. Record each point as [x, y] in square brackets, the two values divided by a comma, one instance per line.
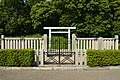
[58, 52]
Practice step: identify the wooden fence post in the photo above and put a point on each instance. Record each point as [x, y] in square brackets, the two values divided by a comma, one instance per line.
[44, 48]
[45, 43]
[100, 43]
[116, 42]
[74, 48]
[2, 42]
[74, 42]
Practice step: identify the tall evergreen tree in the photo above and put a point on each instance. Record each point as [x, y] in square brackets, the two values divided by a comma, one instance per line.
[16, 17]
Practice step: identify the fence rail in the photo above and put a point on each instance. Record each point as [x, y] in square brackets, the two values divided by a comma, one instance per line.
[24, 43]
[21, 43]
[97, 43]
[86, 43]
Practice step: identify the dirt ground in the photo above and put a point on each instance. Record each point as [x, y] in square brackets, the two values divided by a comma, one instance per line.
[60, 75]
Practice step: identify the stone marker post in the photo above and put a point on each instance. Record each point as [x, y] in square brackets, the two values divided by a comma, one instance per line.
[44, 48]
[116, 42]
[100, 43]
[74, 48]
[2, 41]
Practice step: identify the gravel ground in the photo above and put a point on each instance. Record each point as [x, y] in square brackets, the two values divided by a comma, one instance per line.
[60, 74]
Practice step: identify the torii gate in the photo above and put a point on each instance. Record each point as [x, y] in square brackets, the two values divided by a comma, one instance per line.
[68, 32]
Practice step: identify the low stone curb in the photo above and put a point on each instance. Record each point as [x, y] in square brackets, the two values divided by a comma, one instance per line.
[60, 68]
[25, 68]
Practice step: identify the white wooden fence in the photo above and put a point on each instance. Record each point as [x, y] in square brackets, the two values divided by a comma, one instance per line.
[97, 43]
[21, 43]
[24, 43]
[80, 45]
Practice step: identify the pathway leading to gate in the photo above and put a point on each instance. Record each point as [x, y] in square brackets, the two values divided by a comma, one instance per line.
[30, 74]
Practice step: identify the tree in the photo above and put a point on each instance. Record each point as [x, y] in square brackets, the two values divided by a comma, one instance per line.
[44, 14]
[90, 17]
[115, 10]
[15, 18]
[33, 2]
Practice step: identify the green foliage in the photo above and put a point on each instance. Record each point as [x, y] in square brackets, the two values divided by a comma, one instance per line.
[119, 46]
[59, 42]
[15, 18]
[115, 6]
[103, 58]
[90, 17]
[16, 57]
[28, 36]
[33, 2]
[44, 14]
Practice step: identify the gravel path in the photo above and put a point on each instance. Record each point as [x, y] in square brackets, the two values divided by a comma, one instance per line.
[60, 74]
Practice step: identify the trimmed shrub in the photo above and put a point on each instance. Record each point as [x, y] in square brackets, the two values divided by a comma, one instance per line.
[103, 58]
[16, 57]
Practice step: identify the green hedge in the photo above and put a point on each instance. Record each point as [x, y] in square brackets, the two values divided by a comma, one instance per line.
[103, 58]
[16, 57]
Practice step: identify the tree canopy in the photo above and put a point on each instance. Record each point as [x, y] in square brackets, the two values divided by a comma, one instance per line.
[90, 17]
